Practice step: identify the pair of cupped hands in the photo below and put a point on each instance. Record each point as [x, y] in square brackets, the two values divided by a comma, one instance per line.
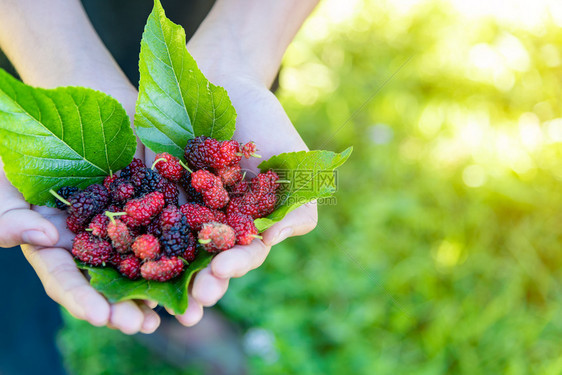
[46, 241]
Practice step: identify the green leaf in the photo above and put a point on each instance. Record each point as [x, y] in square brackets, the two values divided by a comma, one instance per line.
[176, 102]
[66, 136]
[311, 176]
[172, 294]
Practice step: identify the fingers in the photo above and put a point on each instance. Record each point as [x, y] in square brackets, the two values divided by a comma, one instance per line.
[130, 318]
[150, 304]
[192, 315]
[208, 288]
[66, 285]
[239, 260]
[21, 225]
[18, 224]
[151, 319]
[298, 222]
[211, 283]
[126, 316]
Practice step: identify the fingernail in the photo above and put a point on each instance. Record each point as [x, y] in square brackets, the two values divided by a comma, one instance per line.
[151, 323]
[35, 237]
[171, 312]
[191, 321]
[282, 236]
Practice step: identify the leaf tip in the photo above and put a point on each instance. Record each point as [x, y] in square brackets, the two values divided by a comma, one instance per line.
[347, 152]
[158, 5]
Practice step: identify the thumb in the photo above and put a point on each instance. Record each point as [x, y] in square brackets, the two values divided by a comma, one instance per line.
[18, 224]
[296, 223]
[21, 225]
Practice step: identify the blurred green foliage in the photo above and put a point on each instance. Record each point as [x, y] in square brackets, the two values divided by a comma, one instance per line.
[89, 350]
[442, 254]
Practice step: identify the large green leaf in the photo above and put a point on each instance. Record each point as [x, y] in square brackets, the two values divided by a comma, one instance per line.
[176, 102]
[66, 136]
[171, 294]
[309, 175]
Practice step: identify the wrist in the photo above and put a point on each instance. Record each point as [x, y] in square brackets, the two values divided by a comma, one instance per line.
[53, 44]
[221, 57]
[248, 38]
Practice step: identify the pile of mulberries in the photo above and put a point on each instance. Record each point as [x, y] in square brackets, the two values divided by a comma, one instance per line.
[134, 222]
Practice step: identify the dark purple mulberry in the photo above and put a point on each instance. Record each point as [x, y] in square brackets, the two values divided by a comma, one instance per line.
[65, 192]
[146, 181]
[193, 196]
[132, 168]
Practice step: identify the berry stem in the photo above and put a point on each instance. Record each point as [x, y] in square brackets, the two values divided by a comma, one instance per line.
[88, 229]
[111, 215]
[185, 166]
[257, 236]
[59, 197]
[156, 162]
[208, 240]
[283, 181]
[256, 155]
[184, 261]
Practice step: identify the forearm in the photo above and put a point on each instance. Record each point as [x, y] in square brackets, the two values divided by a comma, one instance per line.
[52, 43]
[248, 36]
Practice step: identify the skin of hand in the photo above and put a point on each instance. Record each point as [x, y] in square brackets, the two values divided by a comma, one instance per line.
[256, 106]
[53, 44]
[247, 86]
[240, 48]
[67, 285]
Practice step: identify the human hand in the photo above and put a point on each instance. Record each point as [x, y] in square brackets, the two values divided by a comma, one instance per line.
[41, 65]
[69, 53]
[261, 119]
[66, 285]
[19, 224]
[45, 243]
[55, 266]
[239, 46]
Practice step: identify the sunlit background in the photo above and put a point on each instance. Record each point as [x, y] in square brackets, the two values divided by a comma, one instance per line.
[442, 254]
